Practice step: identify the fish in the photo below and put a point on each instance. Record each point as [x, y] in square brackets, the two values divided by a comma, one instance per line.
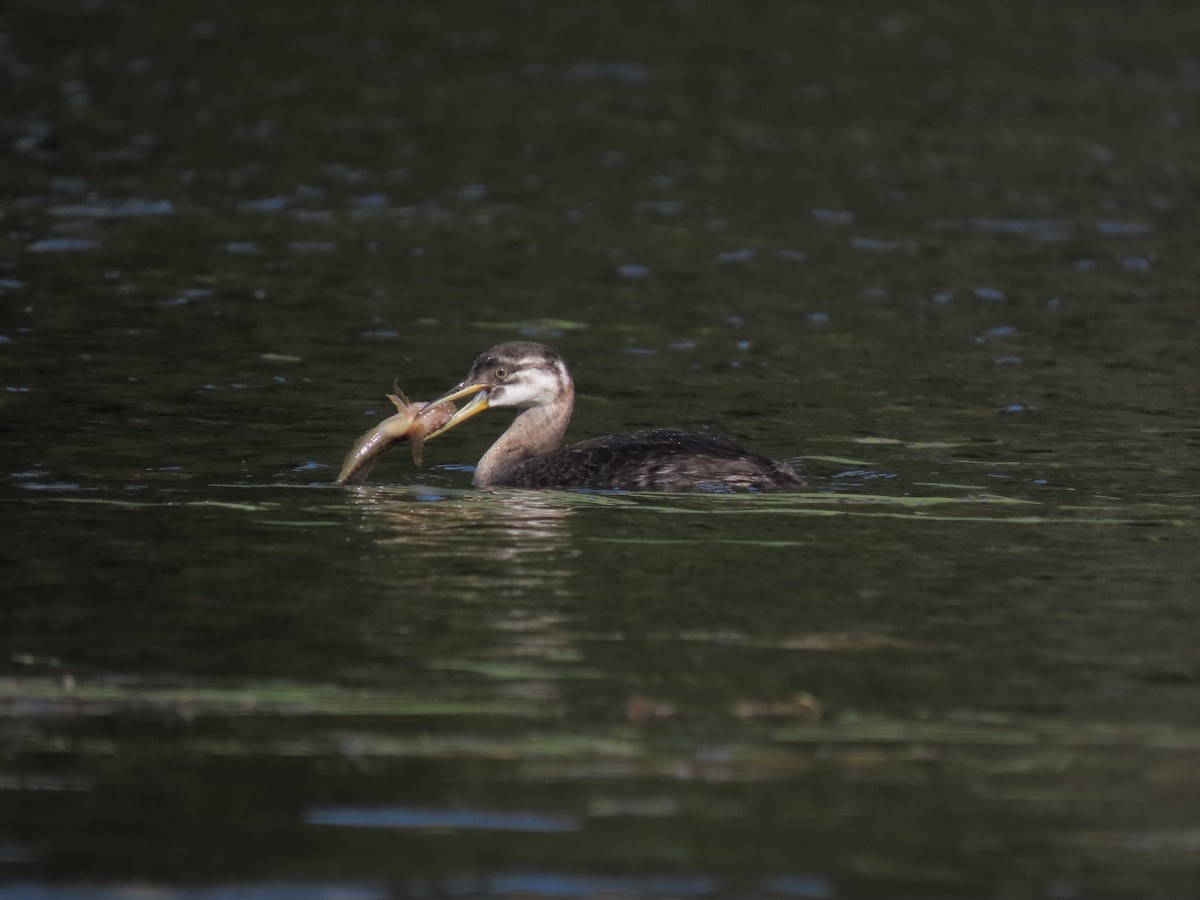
[411, 422]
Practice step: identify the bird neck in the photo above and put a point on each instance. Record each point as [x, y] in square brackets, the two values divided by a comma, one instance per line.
[535, 432]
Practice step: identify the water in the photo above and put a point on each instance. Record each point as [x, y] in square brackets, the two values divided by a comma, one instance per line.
[941, 257]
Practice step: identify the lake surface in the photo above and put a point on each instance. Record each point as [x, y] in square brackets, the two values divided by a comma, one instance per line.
[942, 256]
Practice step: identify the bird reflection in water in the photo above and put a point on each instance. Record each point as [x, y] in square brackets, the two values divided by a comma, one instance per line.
[504, 564]
[504, 526]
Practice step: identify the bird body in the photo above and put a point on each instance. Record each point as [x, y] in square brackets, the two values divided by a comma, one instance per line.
[533, 379]
[657, 459]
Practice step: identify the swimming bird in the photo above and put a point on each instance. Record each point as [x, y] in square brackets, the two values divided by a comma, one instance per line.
[533, 379]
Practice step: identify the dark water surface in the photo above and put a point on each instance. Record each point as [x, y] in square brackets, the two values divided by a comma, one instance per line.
[942, 254]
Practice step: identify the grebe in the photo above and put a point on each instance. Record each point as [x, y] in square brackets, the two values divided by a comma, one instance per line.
[532, 378]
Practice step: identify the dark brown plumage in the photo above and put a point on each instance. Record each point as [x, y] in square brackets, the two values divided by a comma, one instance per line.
[658, 459]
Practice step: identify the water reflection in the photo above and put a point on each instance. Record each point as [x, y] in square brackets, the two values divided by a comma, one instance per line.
[270, 890]
[498, 568]
[411, 817]
[518, 527]
[532, 883]
[558, 884]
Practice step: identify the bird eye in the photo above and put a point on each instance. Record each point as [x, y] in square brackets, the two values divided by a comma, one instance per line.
[501, 373]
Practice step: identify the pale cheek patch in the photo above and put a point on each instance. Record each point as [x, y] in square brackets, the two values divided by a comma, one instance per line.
[534, 385]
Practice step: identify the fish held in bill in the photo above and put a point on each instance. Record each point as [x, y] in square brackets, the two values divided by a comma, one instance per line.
[412, 422]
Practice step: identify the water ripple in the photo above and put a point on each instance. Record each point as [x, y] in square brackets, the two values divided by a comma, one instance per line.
[411, 817]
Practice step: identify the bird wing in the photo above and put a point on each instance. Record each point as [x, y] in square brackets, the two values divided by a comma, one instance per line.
[658, 459]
